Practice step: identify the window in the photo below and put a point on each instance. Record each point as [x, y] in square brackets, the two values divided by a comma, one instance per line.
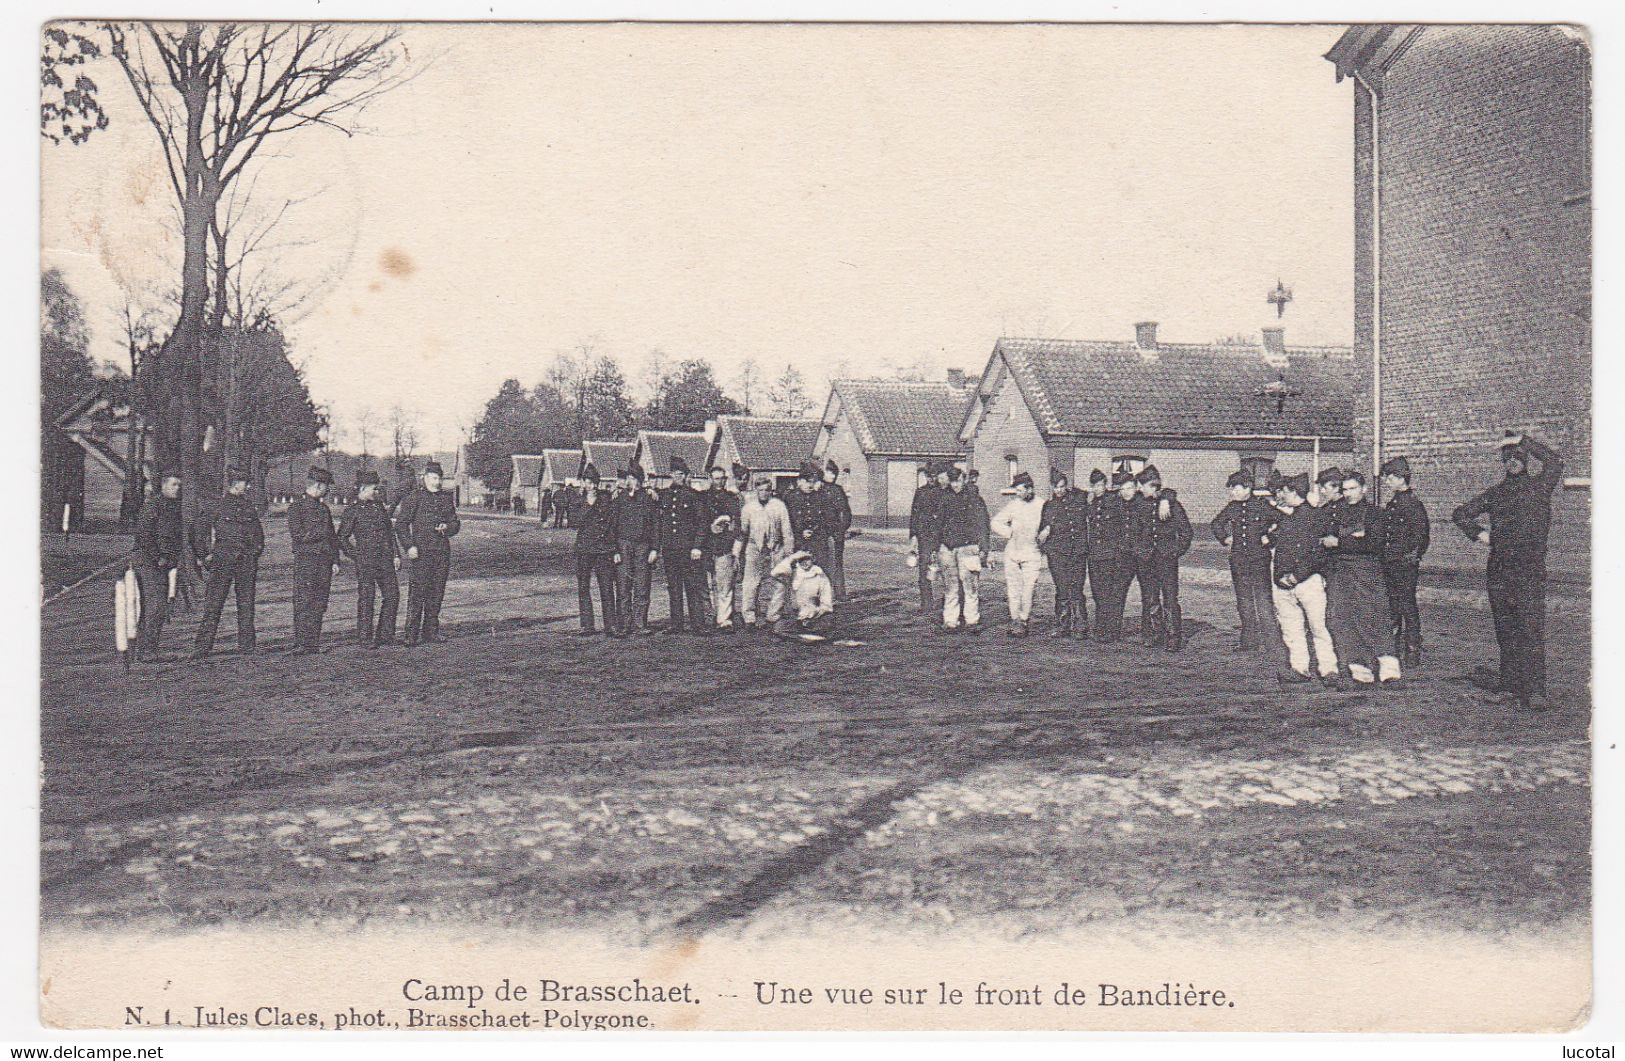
[1128, 463]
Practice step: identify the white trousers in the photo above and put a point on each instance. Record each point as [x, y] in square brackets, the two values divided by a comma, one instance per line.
[758, 569]
[1020, 581]
[1301, 612]
[961, 584]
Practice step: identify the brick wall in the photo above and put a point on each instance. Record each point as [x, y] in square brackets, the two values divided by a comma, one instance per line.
[866, 494]
[1484, 267]
[1008, 428]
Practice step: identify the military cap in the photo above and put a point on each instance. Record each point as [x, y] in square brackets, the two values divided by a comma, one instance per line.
[1298, 484]
[433, 466]
[1097, 476]
[1022, 479]
[1512, 447]
[832, 469]
[955, 472]
[236, 473]
[1149, 474]
[366, 478]
[318, 474]
[1355, 476]
[810, 471]
[1239, 478]
[1056, 476]
[1334, 474]
[1121, 476]
[679, 466]
[740, 472]
[590, 472]
[1398, 466]
[973, 474]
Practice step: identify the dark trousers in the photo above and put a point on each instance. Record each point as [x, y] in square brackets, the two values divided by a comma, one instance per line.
[154, 584]
[836, 547]
[1518, 607]
[425, 592]
[312, 580]
[376, 576]
[1107, 581]
[1255, 604]
[1167, 619]
[928, 600]
[602, 567]
[632, 580]
[685, 580]
[1402, 578]
[238, 574]
[1069, 573]
[1144, 571]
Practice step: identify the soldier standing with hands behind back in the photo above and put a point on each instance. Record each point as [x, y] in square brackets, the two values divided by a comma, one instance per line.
[367, 537]
[424, 525]
[315, 559]
[157, 552]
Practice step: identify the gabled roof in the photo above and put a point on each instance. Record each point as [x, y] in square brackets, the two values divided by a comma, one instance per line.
[1190, 391]
[609, 457]
[1369, 50]
[902, 419]
[656, 449]
[769, 443]
[527, 469]
[562, 464]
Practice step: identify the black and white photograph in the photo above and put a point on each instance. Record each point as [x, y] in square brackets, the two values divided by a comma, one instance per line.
[810, 527]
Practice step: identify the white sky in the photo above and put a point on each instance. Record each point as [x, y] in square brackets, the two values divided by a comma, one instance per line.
[873, 195]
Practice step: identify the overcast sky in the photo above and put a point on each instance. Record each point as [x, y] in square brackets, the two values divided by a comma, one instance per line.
[825, 196]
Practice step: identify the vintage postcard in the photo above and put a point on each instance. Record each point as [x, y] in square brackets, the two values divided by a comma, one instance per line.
[575, 527]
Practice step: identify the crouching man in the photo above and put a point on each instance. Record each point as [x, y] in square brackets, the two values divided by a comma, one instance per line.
[811, 593]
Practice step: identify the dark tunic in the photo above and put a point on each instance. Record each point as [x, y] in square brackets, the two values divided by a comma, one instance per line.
[1357, 610]
[964, 520]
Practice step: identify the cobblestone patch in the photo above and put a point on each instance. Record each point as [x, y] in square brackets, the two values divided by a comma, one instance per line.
[1196, 788]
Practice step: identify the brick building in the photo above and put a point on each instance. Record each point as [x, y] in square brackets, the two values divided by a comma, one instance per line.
[765, 445]
[655, 449]
[1198, 412]
[1472, 267]
[882, 433]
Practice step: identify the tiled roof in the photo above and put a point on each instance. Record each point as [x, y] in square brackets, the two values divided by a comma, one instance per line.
[1183, 390]
[907, 419]
[563, 464]
[609, 457]
[527, 470]
[770, 443]
[657, 448]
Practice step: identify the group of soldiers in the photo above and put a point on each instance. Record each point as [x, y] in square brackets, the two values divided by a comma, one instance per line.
[1318, 569]
[1315, 567]
[723, 542]
[228, 538]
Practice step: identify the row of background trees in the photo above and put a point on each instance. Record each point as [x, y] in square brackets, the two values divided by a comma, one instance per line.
[585, 395]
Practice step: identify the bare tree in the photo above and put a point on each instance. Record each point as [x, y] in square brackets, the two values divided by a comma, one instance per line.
[216, 94]
[403, 440]
[749, 381]
[788, 394]
[365, 425]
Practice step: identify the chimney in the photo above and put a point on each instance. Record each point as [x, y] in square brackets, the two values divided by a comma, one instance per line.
[1145, 337]
[956, 377]
[1275, 347]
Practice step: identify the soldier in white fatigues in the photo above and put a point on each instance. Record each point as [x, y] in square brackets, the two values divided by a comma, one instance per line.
[765, 534]
[1018, 523]
[1299, 587]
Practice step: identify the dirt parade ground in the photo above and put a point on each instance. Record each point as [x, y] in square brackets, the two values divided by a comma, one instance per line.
[517, 775]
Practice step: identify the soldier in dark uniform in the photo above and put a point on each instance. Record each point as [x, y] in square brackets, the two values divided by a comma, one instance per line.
[635, 511]
[157, 552]
[1519, 508]
[1242, 526]
[315, 559]
[367, 536]
[809, 516]
[1170, 540]
[838, 513]
[1140, 513]
[1408, 535]
[924, 530]
[1063, 534]
[593, 518]
[230, 539]
[1108, 555]
[682, 523]
[722, 534]
[425, 523]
